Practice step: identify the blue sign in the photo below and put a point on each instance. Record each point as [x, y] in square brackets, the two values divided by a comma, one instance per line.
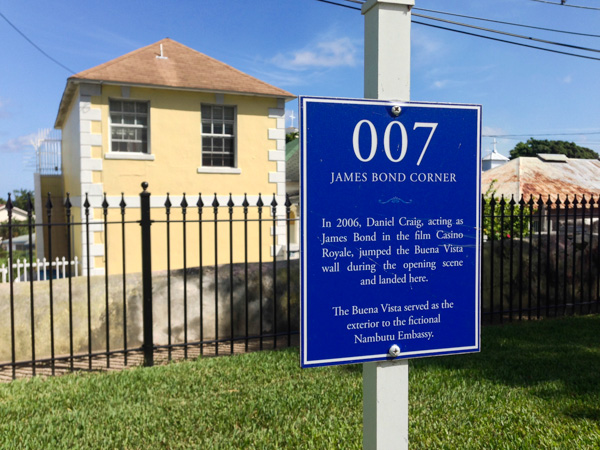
[390, 213]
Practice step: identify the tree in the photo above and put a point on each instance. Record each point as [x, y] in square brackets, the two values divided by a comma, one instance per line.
[18, 227]
[535, 146]
[289, 137]
[20, 199]
[507, 218]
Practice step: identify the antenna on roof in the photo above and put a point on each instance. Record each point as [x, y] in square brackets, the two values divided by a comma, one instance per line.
[162, 56]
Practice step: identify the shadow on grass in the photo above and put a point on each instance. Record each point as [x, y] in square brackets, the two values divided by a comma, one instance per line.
[560, 357]
[584, 413]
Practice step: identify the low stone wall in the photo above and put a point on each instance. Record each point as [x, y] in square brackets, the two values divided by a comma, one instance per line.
[545, 275]
[248, 294]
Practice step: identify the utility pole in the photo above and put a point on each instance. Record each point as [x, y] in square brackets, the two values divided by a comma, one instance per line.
[387, 77]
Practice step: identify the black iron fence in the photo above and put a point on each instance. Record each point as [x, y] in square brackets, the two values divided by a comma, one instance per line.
[214, 278]
[221, 275]
[540, 257]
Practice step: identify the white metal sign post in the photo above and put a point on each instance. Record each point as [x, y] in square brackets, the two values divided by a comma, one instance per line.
[393, 273]
[387, 77]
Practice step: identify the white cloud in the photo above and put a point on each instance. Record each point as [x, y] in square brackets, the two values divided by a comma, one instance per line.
[426, 49]
[568, 79]
[424, 45]
[282, 78]
[486, 130]
[19, 144]
[340, 52]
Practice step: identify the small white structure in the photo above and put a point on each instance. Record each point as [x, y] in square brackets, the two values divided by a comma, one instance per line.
[42, 269]
[493, 159]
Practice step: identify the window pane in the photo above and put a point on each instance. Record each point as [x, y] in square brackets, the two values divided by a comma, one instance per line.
[218, 140]
[217, 144]
[218, 112]
[228, 145]
[129, 126]
[217, 161]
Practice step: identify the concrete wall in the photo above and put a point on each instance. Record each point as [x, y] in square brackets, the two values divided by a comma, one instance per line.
[133, 294]
[540, 266]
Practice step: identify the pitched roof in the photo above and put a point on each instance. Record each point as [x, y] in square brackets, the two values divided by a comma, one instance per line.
[17, 213]
[168, 63]
[539, 175]
[292, 159]
[494, 156]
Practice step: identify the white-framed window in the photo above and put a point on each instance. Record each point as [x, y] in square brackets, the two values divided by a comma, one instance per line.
[218, 136]
[128, 126]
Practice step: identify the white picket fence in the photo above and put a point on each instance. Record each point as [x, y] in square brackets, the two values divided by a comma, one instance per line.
[41, 267]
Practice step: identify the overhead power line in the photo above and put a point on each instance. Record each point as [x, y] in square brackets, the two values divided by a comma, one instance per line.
[506, 41]
[566, 4]
[505, 23]
[341, 4]
[36, 46]
[544, 41]
[553, 30]
[562, 3]
[539, 134]
[587, 144]
[481, 35]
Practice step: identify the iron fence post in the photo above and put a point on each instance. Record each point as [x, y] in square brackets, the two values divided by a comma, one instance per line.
[145, 224]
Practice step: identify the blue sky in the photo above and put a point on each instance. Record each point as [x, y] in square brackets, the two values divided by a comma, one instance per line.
[309, 48]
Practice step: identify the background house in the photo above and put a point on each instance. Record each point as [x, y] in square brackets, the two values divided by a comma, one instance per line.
[175, 118]
[17, 214]
[551, 176]
[545, 174]
[19, 243]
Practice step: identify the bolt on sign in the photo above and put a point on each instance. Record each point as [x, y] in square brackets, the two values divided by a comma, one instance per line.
[390, 214]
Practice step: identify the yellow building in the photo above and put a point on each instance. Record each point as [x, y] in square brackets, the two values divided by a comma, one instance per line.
[181, 121]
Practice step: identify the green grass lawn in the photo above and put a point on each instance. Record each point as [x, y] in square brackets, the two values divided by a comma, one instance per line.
[533, 386]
